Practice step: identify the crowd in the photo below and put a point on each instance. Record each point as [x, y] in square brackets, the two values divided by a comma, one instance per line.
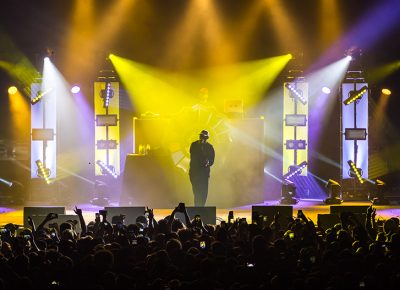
[174, 254]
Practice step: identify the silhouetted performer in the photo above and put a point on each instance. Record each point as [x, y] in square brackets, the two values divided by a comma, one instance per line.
[202, 156]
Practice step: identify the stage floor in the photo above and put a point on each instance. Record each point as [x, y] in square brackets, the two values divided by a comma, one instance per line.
[311, 209]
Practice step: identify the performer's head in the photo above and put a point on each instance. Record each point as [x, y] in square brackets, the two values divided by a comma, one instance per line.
[204, 135]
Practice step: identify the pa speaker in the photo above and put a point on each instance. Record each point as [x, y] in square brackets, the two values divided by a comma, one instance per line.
[130, 212]
[285, 213]
[208, 214]
[326, 221]
[356, 209]
[43, 211]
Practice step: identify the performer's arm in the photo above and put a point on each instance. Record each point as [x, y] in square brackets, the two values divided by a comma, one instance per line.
[212, 156]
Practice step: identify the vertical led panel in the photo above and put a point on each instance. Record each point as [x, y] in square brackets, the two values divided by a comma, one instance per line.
[43, 129]
[295, 125]
[353, 125]
[107, 138]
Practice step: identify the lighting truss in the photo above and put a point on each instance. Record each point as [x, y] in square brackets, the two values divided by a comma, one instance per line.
[107, 169]
[355, 95]
[295, 170]
[296, 93]
[296, 144]
[43, 172]
[107, 94]
[355, 172]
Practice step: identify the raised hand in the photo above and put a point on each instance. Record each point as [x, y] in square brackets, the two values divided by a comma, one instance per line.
[30, 222]
[51, 216]
[77, 211]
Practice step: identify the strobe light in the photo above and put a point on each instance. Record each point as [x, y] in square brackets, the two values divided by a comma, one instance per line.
[355, 95]
[296, 93]
[107, 169]
[295, 170]
[106, 95]
[43, 172]
[355, 172]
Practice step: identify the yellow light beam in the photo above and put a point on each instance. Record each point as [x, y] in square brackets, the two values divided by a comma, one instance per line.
[330, 22]
[159, 91]
[381, 72]
[289, 33]
[20, 116]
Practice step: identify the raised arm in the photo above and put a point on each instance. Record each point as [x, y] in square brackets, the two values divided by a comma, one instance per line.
[79, 213]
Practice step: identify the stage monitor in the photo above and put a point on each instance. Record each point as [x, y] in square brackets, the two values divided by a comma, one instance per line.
[208, 214]
[130, 212]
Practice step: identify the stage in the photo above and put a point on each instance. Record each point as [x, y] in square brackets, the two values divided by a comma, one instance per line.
[311, 208]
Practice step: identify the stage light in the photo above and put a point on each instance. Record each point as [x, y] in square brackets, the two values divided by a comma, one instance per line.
[6, 182]
[378, 193]
[386, 92]
[39, 96]
[334, 190]
[106, 95]
[295, 170]
[288, 193]
[296, 120]
[349, 57]
[12, 90]
[355, 95]
[296, 93]
[75, 89]
[106, 144]
[355, 172]
[43, 172]
[326, 90]
[107, 169]
[296, 144]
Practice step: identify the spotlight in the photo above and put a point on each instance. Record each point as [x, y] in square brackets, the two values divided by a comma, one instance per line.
[75, 89]
[326, 90]
[355, 172]
[385, 92]
[334, 191]
[296, 93]
[106, 95]
[379, 190]
[12, 90]
[355, 95]
[288, 193]
[43, 172]
[107, 169]
[349, 57]
[294, 170]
